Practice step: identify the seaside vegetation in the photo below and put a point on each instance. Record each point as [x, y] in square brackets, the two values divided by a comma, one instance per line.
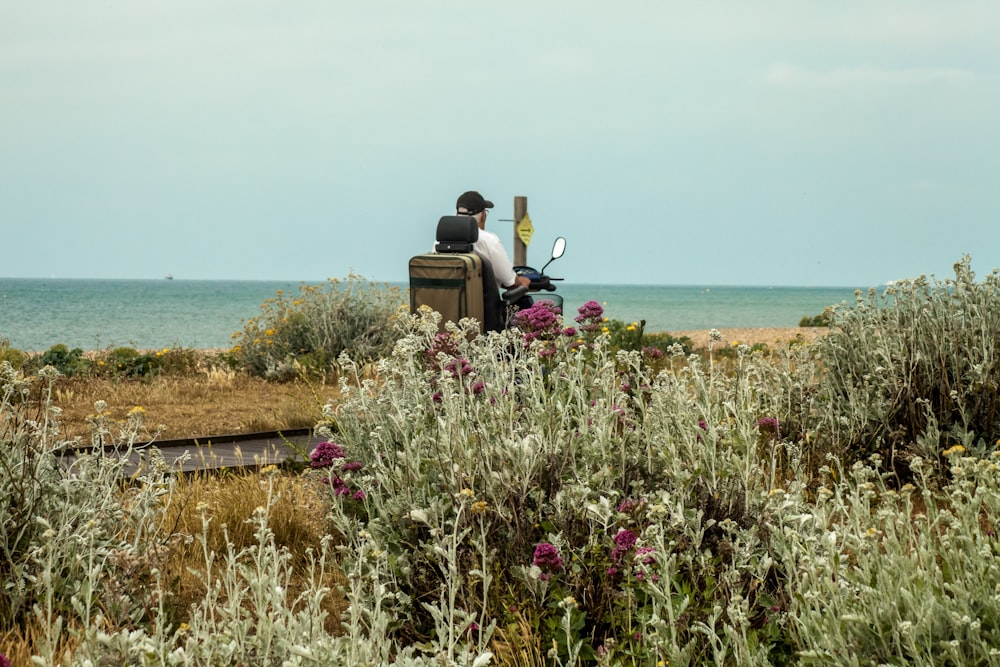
[822, 320]
[547, 496]
[304, 334]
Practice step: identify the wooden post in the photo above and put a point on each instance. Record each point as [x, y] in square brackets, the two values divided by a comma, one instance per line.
[520, 250]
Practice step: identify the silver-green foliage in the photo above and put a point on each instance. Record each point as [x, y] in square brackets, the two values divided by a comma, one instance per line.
[903, 368]
[80, 557]
[476, 452]
[885, 576]
[305, 333]
[75, 548]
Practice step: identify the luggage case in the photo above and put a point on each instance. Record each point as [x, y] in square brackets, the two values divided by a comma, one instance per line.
[450, 283]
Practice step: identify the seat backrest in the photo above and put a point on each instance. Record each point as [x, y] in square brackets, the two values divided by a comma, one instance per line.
[456, 233]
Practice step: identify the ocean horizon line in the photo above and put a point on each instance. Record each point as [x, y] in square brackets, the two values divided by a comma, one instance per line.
[403, 283]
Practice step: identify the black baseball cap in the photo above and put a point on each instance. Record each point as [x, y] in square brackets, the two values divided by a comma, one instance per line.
[471, 203]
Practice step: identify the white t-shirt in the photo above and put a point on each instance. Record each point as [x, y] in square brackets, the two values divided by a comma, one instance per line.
[491, 249]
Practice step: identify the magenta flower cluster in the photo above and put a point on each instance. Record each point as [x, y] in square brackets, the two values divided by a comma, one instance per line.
[590, 316]
[547, 559]
[652, 352]
[4, 660]
[644, 558]
[541, 321]
[443, 343]
[624, 541]
[459, 367]
[324, 455]
[644, 555]
[769, 426]
[628, 506]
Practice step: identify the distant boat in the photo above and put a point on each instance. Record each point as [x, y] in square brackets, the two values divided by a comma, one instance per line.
[169, 276]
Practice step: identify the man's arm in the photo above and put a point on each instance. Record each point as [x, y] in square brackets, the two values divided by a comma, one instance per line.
[494, 251]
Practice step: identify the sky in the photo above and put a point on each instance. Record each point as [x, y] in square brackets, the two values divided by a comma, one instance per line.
[675, 143]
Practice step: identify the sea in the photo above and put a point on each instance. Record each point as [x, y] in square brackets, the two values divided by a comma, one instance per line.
[36, 314]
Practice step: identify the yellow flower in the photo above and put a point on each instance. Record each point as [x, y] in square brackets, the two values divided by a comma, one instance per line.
[100, 362]
[236, 348]
[270, 469]
[479, 507]
[630, 327]
[183, 627]
[468, 493]
[269, 332]
[957, 449]
[137, 410]
[604, 330]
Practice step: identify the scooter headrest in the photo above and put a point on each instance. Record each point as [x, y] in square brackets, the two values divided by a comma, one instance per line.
[456, 233]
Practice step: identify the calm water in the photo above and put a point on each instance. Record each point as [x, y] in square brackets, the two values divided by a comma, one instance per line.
[94, 314]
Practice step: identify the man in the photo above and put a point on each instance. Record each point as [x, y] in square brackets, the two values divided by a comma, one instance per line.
[489, 246]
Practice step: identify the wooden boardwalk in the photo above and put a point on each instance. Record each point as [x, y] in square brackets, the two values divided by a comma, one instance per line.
[246, 450]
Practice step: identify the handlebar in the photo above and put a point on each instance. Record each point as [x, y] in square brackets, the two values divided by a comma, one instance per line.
[539, 281]
[515, 293]
[543, 284]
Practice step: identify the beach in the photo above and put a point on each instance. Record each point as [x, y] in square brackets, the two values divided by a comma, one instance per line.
[751, 336]
[152, 314]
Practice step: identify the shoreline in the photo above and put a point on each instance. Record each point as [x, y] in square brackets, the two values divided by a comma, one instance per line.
[753, 335]
[699, 338]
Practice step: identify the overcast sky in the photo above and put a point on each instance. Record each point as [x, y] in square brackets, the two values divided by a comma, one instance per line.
[741, 143]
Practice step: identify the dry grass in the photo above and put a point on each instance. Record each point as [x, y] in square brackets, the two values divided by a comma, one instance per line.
[212, 403]
[297, 519]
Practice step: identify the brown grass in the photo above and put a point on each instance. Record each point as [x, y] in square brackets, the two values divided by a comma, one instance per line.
[212, 403]
[228, 501]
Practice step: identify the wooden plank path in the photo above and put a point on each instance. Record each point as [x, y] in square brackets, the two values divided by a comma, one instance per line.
[244, 450]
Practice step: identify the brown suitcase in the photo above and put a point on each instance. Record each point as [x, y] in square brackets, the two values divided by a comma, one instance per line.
[450, 283]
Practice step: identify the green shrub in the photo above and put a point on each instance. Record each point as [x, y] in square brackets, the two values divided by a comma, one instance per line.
[306, 333]
[665, 342]
[824, 319]
[625, 335]
[14, 356]
[66, 361]
[127, 362]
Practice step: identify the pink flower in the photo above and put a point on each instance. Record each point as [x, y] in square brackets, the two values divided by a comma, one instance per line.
[590, 317]
[624, 541]
[325, 454]
[547, 557]
[769, 426]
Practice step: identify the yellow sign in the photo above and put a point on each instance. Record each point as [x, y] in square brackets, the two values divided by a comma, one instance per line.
[525, 230]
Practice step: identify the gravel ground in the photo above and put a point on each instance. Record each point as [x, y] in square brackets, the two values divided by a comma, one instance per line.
[770, 335]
